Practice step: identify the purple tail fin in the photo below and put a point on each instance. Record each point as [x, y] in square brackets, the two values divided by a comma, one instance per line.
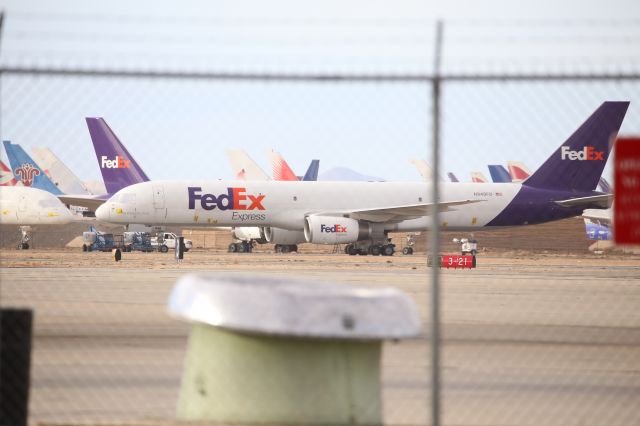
[578, 163]
[118, 167]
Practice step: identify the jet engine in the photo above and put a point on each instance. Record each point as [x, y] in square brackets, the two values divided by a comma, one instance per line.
[335, 230]
[283, 236]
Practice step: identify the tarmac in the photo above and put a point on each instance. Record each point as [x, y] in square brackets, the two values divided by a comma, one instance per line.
[529, 339]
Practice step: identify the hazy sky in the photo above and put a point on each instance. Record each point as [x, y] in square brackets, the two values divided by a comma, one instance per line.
[181, 128]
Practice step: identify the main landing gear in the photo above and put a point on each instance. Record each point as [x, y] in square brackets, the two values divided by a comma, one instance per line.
[286, 248]
[25, 237]
[373, 249]
[241, 247]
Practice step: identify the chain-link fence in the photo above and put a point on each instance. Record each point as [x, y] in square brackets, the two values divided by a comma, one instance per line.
[542, 332]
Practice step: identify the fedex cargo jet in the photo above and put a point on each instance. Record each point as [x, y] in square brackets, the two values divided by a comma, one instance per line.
[362, 213]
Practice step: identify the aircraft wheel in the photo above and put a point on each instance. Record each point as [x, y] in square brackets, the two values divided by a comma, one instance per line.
[375, 250]
[294, 248]
[407, 250]
[163, 249]
[388, 250]
[241, 248]
[277, 248]
[352, 250]
[84, 247]
[232, 248]
[346, 248]
[89, 248]
[284, 248]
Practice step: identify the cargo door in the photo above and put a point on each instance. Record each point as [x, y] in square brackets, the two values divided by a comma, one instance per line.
[158, 202]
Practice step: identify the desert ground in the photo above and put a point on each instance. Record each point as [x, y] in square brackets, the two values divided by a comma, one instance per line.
[529, 338]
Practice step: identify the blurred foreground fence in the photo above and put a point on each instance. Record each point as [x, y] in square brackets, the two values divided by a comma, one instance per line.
[524, 343]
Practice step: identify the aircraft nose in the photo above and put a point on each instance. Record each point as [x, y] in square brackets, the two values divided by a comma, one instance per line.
[102, 212]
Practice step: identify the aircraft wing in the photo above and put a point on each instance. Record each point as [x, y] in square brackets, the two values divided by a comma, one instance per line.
[398, 213]
[603, 200]
[90, 201]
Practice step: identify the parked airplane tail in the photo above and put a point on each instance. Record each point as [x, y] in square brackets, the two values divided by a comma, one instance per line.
[6, 177]
[119, 169]
[478, 177]
[605, 186]
[27, 170]
[280, 168]
[312, 171]
[578, 163]
[518, 171]
[244, 168]
[452, 177]
[499, 174]
[58, 172]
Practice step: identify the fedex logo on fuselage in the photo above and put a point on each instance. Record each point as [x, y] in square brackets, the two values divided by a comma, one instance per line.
[335, 229]
[589, 153]
[234, 199]
[118, 163]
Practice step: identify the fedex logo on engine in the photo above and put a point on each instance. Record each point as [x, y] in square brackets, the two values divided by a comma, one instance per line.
[118, 163]
[335, 229]
[234, 199]
[589, 153]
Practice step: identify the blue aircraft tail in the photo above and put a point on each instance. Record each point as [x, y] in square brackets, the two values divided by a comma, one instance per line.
[452, 177]
[312, 171]
[578, 163]
[27, 171]
[499, 174]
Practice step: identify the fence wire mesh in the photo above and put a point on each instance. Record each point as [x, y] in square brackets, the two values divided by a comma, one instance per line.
[544, 331]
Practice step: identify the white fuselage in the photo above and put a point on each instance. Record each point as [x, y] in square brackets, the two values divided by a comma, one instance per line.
[20, 205]
[285, 204]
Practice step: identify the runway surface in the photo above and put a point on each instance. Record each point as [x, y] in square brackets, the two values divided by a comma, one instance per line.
[535, 340]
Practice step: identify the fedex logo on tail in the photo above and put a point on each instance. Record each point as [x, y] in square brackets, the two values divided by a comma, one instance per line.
[589, 153]
[335, 229]
[117, 163]
[234, 199]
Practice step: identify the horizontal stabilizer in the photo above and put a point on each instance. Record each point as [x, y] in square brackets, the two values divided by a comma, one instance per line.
[601, 200]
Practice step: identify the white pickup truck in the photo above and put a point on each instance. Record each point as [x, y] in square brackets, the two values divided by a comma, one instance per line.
[167, 240]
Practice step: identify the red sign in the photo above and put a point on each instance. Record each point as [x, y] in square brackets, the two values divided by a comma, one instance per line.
[456, 261]
[626, 180]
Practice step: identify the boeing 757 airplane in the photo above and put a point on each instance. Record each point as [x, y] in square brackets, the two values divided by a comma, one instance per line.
[362, 213]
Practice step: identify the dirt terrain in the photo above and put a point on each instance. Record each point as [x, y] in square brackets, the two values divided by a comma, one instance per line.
[566, 236]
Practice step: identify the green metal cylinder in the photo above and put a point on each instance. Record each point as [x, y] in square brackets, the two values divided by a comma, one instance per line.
[255, 378]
